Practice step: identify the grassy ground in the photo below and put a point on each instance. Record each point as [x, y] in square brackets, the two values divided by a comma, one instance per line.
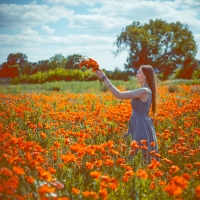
[72, 87]
[92, 86]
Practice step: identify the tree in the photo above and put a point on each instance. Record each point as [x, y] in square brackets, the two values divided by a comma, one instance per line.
[42, 65]
[17, 59]
[71, 60]
[187, 70]
[196, 73]
[165, 46]
[57, 61]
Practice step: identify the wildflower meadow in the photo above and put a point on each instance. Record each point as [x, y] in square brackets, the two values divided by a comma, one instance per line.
[65, 146]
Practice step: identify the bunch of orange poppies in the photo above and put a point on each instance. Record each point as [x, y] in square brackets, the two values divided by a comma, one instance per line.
[89, 63]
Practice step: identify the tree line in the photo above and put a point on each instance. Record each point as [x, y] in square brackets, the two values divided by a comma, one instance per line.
[169, 47]
[56, 68]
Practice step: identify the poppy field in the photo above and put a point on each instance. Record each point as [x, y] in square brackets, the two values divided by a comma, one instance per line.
[61, 146]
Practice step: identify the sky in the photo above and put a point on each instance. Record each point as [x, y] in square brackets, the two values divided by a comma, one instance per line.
[42, 28]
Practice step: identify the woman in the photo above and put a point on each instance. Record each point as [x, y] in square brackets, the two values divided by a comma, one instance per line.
[140, 125]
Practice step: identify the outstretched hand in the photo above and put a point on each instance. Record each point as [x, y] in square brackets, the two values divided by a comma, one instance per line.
[99, 73]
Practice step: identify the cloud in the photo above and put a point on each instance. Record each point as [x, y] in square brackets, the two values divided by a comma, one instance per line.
[73, 2]
[112, 16]
[29, 31]
[39, 47]
[82, 40]
[20, 16]
[47, 30]
[34, 2]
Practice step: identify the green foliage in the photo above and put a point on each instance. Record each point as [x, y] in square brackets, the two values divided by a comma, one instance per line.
[163, 45]
[57, 61]
[181, 82]
[196, 73]
[119, 75]
[71, 86]
[55, 75]
[195, 89]
[173, 88]
[71, 60]
[187, 69]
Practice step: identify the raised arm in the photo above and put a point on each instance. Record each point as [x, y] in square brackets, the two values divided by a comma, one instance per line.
[138, 93]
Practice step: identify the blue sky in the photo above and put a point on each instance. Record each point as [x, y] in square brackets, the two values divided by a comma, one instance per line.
[42, 28]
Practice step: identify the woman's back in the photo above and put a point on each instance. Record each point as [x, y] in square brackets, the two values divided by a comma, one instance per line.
[140, 108]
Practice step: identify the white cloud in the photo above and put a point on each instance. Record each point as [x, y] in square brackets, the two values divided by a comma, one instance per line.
[43, 47]
[29, 31]
[112, 16]
[47, 30]
[19, 16]
[87, 41]
[34, 2]
[73, 2]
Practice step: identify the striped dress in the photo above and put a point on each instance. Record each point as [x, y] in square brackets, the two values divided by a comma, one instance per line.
[141, 126]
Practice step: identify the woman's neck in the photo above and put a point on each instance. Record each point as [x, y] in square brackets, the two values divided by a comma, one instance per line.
[144, 84]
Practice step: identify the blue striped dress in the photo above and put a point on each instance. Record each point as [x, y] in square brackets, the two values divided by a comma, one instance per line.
[141, 125]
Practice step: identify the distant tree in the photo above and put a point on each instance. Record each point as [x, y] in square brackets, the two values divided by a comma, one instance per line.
[165, 46]
[42, 65]
[186, 71]
[17, 58]
[71, 60]
[196, 73]
[57, 61]
[9, 70]
[27, 68]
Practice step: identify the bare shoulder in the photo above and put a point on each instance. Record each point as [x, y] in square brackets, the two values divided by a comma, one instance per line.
[138, 93]
[143, 90]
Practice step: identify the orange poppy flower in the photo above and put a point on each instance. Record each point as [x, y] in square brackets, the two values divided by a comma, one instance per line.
[134, 144]
[142, 174]
[98, 163]
[18, 170]
[11, 185]
[173, 190]
[174, 169]
[154, 164]
[96, 175]
[179, 181]
[5, 171]
[153, 144]
[186, 176]
[43, 135]
[30, 179]
[45, 189]
[109, 162]
[197, 164]
[75, 190]
[103, 193]
[158, 173]
[197, 191]
[86, 193]
[120, 161]
[144, 142]
[105, 178]
[89, 165]
[113, 186]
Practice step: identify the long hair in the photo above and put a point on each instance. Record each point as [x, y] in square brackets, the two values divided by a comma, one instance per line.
[151, 80]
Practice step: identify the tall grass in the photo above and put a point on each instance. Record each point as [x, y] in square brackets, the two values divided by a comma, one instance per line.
[63, 86]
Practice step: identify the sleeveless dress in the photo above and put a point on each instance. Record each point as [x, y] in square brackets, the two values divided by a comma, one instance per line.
[141, 125]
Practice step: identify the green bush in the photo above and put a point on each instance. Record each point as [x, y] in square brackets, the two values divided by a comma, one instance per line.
[173, 88]
[58, 74]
